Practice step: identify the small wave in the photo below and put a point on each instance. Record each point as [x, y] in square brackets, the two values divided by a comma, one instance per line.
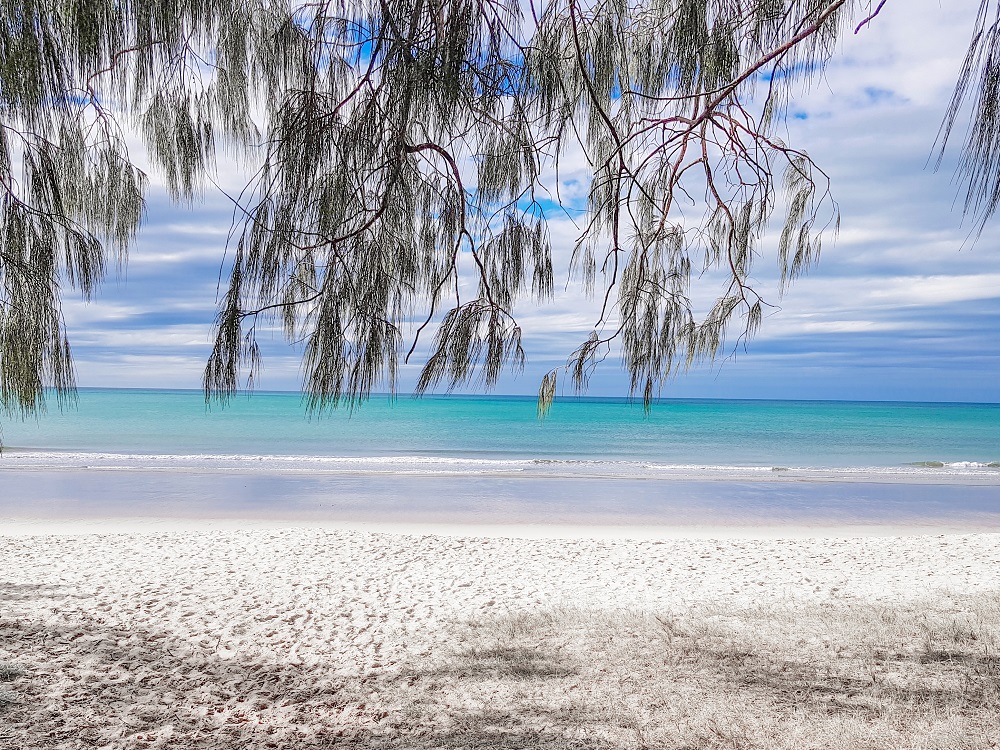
[68, 457]
[955, 464]
[482, 466]
[575, 462]
[704, 468]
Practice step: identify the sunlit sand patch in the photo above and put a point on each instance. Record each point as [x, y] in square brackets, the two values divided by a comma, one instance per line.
[299, 638]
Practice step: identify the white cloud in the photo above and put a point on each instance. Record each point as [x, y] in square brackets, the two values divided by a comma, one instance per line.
[158, 338]
[82, 314]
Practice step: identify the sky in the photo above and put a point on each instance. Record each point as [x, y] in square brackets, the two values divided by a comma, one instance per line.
[902, 305]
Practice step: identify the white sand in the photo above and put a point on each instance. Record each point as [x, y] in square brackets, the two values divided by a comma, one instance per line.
[262, 637]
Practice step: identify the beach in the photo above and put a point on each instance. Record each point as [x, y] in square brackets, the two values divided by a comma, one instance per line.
[455, 573]
[349, 637]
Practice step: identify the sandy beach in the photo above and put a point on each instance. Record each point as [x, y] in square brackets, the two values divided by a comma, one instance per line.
[323, 637]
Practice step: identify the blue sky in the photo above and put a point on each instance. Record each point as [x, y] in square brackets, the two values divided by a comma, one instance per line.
[901, 306]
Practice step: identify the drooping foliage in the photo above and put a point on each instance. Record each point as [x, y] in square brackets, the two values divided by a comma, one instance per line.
[422, 143]
[979, 86]
[75, 79]
[397, 145]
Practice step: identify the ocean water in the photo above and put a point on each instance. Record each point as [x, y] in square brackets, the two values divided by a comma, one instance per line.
[504, 433]
[445, 457]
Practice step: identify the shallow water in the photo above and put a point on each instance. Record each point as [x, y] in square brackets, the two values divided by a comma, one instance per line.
[393, 498]
[490, 460]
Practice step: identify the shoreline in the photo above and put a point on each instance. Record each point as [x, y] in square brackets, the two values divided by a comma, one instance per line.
[151, 525]
[962, 473]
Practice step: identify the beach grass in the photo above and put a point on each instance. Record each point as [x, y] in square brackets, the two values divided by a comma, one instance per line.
[788, 674]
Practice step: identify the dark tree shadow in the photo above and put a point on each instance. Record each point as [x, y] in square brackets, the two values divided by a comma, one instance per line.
[175, 696]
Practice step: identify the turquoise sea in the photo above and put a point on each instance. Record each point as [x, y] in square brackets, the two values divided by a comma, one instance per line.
[439, 457]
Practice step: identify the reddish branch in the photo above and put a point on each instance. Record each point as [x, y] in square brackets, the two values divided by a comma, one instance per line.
[870, 18]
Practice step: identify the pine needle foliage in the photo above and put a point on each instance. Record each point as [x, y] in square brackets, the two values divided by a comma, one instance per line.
[76, 77]
[417, 146]
[401, 145]
[978, 89]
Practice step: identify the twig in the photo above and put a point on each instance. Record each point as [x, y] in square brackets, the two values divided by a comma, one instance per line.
[870, 18]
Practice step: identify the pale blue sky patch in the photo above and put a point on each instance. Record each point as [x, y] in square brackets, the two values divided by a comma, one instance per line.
[875, 96]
